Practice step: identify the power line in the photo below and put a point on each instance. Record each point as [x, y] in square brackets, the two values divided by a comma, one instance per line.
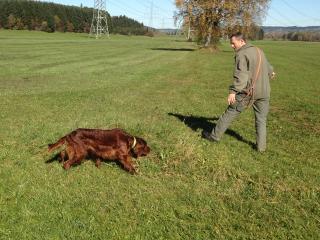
[138, 11]
[284, 17]
[125, 8]
[298, 11]
[130, 7]
[276, 20]
[138, 14]
[160, 8]
[151, 14]
[141, 3]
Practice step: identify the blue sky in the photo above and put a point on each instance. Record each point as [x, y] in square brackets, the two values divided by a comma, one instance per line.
[280, 13]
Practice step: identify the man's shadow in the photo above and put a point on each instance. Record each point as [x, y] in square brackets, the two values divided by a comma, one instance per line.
[196, 122]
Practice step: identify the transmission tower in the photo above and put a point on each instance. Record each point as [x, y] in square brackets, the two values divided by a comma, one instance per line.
[99, 25]
[151, 15]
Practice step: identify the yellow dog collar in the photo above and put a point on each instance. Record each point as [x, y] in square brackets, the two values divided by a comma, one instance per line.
[134, 143]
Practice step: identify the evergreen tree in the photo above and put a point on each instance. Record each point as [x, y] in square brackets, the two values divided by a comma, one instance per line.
[50, 17]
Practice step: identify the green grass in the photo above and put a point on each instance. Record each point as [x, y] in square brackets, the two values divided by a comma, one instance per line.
[187, 188]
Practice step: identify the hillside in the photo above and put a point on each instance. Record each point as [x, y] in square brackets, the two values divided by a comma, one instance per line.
[51, 17]
[268, 29]
[166, 91]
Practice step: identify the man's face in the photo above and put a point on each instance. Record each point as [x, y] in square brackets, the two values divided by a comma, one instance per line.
[236, 43]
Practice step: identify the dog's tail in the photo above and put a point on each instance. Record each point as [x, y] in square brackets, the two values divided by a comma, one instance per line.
[59, 143]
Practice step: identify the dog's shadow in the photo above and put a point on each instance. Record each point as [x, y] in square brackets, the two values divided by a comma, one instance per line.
[206, 124]
[56, 158]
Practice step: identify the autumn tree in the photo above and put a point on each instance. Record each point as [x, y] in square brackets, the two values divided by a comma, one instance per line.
[70, 26]
[11, 21]
[211, 20]
[58, 24]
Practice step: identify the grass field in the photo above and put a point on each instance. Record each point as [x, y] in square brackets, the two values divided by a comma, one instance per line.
[167, 91]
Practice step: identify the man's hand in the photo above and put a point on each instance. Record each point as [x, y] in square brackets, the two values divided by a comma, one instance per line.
[231, 98]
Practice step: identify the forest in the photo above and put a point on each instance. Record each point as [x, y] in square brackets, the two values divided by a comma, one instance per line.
[51, 17]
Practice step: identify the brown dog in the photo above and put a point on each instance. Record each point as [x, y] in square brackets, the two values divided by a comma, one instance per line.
[114, 144]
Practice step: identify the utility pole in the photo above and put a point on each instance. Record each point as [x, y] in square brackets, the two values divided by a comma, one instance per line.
[99, 24]
[151, 15]
[178, 28]
[189, 31]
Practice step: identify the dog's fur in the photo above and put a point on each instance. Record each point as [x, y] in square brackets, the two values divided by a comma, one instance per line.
[114, 144]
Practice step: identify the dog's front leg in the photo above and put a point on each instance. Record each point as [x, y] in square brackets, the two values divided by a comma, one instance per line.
[127, 164]
[98, 162]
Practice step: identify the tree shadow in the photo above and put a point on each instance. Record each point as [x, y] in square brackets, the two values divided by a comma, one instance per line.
[205, 124]
[180, 40]
[174, 49]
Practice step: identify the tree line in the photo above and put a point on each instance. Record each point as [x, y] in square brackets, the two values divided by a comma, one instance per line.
[294, 36]
[51, 17]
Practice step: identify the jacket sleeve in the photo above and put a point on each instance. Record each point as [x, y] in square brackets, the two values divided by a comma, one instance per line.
[241, 74]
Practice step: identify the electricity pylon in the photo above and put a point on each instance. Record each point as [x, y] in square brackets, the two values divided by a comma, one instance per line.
[99, 24]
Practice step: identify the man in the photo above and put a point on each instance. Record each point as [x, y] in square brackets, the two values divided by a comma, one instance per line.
[252, 72]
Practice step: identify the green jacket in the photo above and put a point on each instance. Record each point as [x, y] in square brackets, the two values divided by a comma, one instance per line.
[246, 62]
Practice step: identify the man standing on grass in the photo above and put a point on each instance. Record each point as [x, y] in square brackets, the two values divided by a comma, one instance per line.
[251, 86]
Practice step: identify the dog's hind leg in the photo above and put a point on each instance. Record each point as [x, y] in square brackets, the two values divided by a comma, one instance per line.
[63, 155]
[71, 151]
[71, 155]
[76, 153]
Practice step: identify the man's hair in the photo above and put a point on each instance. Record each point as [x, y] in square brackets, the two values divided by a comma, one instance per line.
[238, 36]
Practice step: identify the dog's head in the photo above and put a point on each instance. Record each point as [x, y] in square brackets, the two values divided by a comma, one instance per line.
[141, 148]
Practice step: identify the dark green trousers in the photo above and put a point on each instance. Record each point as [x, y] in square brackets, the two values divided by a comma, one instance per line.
[260, 108]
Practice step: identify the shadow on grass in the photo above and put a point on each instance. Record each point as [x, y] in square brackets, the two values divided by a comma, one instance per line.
[174, 49]
[231, 51]
[54, 158]
[57, 158]
[205, 124]
[180, 40]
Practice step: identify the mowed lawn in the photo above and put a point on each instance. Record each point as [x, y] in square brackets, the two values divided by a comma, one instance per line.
[167, 91]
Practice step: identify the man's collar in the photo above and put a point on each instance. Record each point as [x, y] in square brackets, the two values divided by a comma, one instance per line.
[247, 45]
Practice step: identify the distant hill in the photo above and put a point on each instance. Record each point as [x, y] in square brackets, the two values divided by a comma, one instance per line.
[309, 34]
[266, 29]
[270, 29]
[169, 31]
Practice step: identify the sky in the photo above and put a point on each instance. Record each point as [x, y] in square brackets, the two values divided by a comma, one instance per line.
[281, 12]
